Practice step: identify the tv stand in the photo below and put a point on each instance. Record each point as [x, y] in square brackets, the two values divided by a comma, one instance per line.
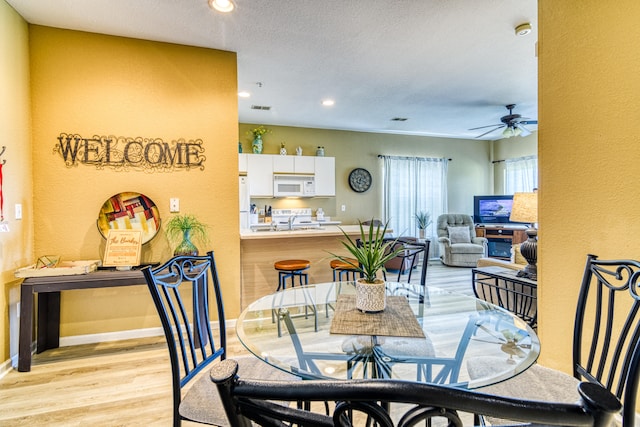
[500, 238]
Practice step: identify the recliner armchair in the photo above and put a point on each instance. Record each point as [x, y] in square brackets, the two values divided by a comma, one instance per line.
[458, 242]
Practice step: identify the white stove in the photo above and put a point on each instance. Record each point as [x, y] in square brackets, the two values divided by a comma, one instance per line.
[300, 217]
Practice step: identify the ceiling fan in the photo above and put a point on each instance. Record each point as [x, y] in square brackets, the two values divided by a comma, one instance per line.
[513, 124]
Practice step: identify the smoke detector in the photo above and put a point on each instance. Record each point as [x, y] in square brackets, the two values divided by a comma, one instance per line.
[523, 29]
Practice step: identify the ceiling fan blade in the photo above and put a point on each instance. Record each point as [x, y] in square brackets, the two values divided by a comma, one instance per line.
[482, 127]
[523, 130]
[528, 122]
[489, 131]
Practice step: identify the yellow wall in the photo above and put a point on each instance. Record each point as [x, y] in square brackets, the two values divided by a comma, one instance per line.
[90, 84]
[589, 153]
[16, 246]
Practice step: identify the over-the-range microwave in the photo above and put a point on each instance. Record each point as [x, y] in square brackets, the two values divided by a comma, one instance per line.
[288, 185]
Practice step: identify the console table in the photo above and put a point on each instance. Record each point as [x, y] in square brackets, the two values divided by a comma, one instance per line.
[48, 316]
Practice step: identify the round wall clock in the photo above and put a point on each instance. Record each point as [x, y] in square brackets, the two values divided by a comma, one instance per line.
[360, 180]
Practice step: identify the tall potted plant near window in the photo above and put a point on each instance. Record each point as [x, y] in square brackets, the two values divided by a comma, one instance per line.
[184, 228]
[371, 252]
[423, 220]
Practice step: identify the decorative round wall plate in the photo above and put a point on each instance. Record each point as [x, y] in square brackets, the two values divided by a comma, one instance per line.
[360, 180]
[129, 211]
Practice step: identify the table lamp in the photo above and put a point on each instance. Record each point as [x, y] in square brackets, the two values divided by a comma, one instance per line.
[525, 209]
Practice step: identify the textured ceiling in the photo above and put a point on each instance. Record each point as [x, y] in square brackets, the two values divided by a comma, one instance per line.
[444, 65]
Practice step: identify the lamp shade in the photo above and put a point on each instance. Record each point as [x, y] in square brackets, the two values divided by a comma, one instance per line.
[524, 208]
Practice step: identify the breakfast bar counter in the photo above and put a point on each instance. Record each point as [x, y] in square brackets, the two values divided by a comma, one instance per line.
[323, 230]
[260, 249]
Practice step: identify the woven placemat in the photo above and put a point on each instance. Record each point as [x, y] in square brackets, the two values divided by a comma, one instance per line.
[397, 319]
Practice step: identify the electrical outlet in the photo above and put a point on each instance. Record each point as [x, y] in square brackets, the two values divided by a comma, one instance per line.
[343, 208]
[18, 211]
[174, 205]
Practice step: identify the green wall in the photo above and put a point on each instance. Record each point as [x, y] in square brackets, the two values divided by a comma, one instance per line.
[470, 169]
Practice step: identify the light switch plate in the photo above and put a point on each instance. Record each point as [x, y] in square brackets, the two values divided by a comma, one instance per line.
[174, 204]
[18, 211]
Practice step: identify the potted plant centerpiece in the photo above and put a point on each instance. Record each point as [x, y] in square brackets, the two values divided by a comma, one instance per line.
[183, 228]
[423, 220]
[371, 252]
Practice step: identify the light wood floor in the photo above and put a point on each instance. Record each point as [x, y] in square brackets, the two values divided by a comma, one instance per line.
[121, 383]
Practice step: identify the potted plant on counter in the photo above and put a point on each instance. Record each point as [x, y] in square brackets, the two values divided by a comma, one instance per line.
[372, 252]
[423, 220]
[183, 228]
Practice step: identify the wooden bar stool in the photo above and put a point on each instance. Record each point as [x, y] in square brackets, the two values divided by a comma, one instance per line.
[290, 269]
[343, 270]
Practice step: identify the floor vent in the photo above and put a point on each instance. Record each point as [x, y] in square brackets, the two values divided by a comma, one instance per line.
[261, 107]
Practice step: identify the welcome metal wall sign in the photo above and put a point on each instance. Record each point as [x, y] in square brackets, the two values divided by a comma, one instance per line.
[125, 153]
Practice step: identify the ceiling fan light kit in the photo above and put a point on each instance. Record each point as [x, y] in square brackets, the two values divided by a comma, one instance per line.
[512, 123]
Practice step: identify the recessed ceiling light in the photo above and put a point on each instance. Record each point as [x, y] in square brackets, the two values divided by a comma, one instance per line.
[328, 102]
[244, 94]
[224, 6]
[523, 29]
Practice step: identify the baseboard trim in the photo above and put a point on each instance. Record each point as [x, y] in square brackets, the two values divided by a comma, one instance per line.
[9, 364]
[122, 335]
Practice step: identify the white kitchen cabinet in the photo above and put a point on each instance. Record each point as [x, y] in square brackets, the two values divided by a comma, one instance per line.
[283, 164]
[260, 174]
[304, 164]
[325, 172]
[242, 162]
[293, 164]
[261, 167]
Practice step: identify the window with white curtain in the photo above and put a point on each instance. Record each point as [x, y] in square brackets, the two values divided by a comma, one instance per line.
[411, 185]
[521, 175]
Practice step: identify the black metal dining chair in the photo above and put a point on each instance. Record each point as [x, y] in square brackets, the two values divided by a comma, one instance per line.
[414, 258]
[375, 402]
[180, 289]
[520, 298]
[606, 342]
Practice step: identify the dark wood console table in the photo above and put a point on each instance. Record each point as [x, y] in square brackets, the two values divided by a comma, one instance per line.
[48, 316]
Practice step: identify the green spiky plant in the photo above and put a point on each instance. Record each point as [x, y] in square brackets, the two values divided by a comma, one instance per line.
[372, 253]
[423, 219]
[181, 228]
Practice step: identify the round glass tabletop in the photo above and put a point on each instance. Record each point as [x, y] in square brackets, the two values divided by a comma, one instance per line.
[427, 335]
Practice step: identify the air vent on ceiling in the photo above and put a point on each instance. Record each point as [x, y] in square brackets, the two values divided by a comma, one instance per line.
[261, 107]
[399, 119]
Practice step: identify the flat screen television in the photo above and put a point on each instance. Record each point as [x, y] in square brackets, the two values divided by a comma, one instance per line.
[492, 209]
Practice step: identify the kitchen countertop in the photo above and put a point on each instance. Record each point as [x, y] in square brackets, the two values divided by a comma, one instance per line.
[325, 230]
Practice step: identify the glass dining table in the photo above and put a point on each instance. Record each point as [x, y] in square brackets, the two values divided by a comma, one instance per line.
[426, 335]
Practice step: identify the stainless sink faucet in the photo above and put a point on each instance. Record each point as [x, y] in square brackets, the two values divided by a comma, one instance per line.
[291, 219]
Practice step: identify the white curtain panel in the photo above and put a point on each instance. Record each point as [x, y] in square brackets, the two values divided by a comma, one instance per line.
[521, 175]
[411, 185]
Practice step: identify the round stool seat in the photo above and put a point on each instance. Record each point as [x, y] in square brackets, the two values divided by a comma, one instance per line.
[292, 264]
[342, 265]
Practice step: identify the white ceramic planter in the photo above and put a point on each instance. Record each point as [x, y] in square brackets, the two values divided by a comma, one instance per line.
[371, 297]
